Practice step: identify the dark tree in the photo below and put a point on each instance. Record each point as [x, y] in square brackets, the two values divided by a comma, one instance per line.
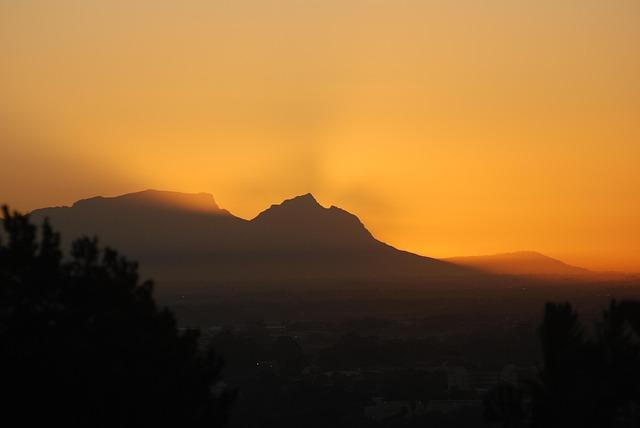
[82, 342]
[589, 381]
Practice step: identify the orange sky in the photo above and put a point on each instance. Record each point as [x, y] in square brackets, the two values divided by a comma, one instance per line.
[450, 127]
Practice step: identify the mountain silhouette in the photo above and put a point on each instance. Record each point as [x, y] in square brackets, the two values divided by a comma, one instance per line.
[525, 263]
[302, 224]
[181, 236]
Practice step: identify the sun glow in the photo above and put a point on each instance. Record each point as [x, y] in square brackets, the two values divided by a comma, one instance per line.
[450, 128]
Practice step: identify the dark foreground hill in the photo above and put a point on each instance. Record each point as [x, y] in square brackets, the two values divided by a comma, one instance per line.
[178, 236]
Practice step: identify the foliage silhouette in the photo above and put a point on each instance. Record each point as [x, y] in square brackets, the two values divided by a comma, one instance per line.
[586, 380]
[82, 342]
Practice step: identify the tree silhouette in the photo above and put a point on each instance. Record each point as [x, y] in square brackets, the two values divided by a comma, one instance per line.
[586, 380]
[594, 381]
[566, 369]
[619, 341]
[82, 342]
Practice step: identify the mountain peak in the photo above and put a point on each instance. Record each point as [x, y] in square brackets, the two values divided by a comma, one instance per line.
[307, 200]
[303, 206]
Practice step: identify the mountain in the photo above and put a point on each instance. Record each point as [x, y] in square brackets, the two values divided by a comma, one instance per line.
[180, 236]
[524, 263]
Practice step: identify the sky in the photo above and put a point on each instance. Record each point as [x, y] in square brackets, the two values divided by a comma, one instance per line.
[449, 127]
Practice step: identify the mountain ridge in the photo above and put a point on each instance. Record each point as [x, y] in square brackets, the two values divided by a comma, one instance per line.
[183, 235]
[297, 238]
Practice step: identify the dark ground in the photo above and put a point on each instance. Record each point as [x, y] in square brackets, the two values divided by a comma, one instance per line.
[377, 355]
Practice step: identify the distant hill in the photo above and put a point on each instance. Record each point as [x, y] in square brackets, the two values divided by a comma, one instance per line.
[525, 263]
[180, 236]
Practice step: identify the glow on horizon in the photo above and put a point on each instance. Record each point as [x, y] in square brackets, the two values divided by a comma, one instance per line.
[449, 128]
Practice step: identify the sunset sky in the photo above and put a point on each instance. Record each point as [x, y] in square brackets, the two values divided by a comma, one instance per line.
[449, 127]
